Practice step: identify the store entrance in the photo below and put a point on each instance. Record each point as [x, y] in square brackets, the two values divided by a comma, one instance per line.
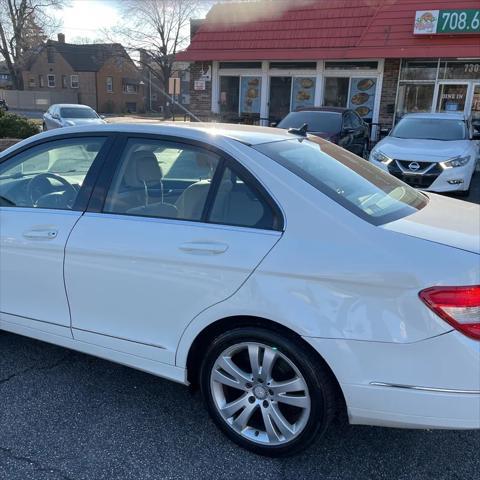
[280, 98]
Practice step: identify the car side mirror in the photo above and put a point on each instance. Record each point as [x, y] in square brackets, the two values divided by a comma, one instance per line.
[102, 117]
[273, 124]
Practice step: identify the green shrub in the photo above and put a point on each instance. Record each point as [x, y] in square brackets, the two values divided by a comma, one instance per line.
[14, 126]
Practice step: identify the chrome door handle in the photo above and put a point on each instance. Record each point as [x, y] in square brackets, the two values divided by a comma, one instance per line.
[41, 234]
[204, 248]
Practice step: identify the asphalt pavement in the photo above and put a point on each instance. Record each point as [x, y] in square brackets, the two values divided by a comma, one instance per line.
[65, 415]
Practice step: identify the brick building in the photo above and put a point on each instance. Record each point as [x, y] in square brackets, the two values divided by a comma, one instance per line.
[103, 75]
[257, 61]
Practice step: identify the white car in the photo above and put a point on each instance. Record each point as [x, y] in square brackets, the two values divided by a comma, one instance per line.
[69, 115]
[436, 152]
[287, 277]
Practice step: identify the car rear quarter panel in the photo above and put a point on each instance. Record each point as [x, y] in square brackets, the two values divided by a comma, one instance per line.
[333, 275]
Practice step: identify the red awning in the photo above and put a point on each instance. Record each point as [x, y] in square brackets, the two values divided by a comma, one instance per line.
[325, 29]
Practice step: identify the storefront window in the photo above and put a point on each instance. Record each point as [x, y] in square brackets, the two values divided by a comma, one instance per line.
[414, 97]
[469, 70]
[303, 94]
[336, 91]
[419, 70]
[476, 107]
[229, 97]
[250, 88]
[451, 97]
[362, 96]
[351, 65]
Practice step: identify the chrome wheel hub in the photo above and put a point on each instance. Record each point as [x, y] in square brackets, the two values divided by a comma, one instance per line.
[260, 393]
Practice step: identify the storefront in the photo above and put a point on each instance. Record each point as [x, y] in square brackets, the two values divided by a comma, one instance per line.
[267, 91]
[252, 65]
[439, 85]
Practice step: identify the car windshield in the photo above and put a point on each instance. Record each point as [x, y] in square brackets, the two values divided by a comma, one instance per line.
[316, 121]
[354, 183]
[430, 129]
[72, 112]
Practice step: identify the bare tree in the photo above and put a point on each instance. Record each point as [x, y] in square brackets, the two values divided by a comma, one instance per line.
[158, 29]
[24, 24]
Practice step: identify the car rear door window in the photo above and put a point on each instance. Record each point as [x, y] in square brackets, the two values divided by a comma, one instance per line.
[163, 179]
[238, 202]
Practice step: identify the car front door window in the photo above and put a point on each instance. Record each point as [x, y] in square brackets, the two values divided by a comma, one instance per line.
[48, 175]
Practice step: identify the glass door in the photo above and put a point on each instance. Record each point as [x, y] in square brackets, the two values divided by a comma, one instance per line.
[475, 110]
[451, 97]
[280, 98]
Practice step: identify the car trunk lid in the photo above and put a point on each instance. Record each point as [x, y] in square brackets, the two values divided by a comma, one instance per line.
[443, 220]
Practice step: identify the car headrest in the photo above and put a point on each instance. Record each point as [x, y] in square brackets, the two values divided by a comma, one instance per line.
[142, 169]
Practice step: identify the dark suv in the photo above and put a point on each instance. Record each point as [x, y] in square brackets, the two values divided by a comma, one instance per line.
[338, 125]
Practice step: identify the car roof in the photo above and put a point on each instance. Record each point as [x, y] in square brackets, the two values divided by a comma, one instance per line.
[440, 116]
[322, 109]
[247, 134]
[71, 105]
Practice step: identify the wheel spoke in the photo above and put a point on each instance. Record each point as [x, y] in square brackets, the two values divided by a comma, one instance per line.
[269, 428]
[231, 408]
[286, 428]
[228, 366]
[293, 385]
[242, 420]
[269, 358]
[254, 355]
[301, 402]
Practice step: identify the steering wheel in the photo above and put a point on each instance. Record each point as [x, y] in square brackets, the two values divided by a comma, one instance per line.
[38, 182]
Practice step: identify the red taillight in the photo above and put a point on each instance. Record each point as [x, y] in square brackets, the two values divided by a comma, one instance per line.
[459, 306]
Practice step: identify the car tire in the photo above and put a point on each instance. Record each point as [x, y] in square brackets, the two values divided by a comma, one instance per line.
[242, 412]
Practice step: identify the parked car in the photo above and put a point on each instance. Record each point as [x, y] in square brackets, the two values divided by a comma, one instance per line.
[432, 151]
[338, 125]
[69, 115]
[223, 256]
[3, 105]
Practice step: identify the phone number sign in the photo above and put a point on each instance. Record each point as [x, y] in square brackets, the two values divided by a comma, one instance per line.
[434, 22]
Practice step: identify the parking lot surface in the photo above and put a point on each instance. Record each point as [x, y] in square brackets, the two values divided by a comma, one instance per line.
[65, 415]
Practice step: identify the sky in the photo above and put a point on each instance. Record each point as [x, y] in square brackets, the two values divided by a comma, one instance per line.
[85, 18]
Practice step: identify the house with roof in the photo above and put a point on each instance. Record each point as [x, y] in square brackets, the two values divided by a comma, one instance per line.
[256, 61]
[103, 75]
[5, 78]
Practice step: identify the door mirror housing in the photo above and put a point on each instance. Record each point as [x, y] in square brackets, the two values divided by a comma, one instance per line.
[102, 117]
[273, 124]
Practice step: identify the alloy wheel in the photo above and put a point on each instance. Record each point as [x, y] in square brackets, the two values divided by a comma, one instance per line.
[260, 393]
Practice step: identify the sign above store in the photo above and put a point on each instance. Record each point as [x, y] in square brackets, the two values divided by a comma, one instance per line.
[436, 22]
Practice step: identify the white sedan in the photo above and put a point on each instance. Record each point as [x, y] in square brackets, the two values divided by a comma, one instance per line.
[288, 278]
[70, 115]
[432, 151]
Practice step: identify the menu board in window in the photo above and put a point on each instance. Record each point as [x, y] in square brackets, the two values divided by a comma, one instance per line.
[303, 93]
[362, 96]
[250, 94]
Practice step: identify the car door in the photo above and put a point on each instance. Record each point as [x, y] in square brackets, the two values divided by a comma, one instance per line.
[148, 266]
[43, 191]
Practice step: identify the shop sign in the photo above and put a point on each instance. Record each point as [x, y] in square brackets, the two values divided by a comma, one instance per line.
[434, 22]
[199, 85]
